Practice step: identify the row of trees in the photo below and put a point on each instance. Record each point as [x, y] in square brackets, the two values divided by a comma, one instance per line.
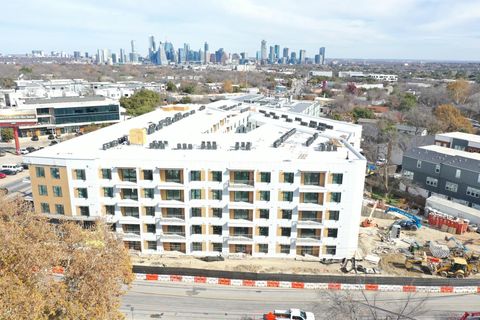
[96, 267]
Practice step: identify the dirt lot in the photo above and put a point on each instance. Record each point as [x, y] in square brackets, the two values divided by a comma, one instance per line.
[369, 242]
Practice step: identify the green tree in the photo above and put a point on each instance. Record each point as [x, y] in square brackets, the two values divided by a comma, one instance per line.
[408, 101]
[186, 100]
[7, 134]
[141, 102]
[26, 70]
[362, 113]
[171, 86]
[188, 88]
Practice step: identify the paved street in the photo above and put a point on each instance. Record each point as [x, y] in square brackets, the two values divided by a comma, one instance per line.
[151, 300]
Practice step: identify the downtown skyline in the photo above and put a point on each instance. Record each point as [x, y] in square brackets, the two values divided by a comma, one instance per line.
[410, 29]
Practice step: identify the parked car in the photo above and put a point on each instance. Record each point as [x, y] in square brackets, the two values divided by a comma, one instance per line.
[31, 149]
[8, 172]
[2, 175]
[51, 137]
[11, 166]
[35, 138]
[23, 151]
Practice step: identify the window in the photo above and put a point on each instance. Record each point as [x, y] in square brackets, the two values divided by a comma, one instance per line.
[241, 177]
[458, 173]
[195, 194]
[40, 172]
[472, 192]
[310, 197]
[450, 186]
[217, 212]
[131, 228]
[130, 212]
[240, 214]
[150, 211]
[264, 195]
[107, 174]
[174, 213]
[332, 250]
[173, 195]
[148, 175]
[240, 248]
[42, 190]
[217, 247]
[129, 194]
[55, 173]
[57, 191]
[217, 230]
[432, 181]
[79, 174]
[334, 215]
[196, 246]
[109, 209]
[264, 213]
[437, 168]
[263, 248]
[337, 178]
[332, 233]
[129, 175]
[285, 232]
[217, 176]
[285, 248]
[196, 229]
[408, 174]
[152, 245]
[59, 209]
[44, 207]
[336, 197]
[217, 194]
[149, 193]
[151, 228]
[82, 193]
[173, 176]
[241, 196]
[265, 177]
[286, 214]
[419, 163]
[195, 175]
[108, 192]
[263, 231]
[196, 212]
[84, 211]
[288, 177]
[287, 196]
[133, 245]
[311, 178]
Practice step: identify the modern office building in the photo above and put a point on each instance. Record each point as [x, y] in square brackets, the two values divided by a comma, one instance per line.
[322, 55]
[449, 169]
[263, 50]
[228, 178]
[69, 114]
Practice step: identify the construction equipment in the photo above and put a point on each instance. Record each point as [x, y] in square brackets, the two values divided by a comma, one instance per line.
[457, 268]
[417, 221]
[459, 250]
[420, 264]
[368, 222]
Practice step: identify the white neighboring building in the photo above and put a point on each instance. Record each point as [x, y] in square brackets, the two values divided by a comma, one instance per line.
[228, 178]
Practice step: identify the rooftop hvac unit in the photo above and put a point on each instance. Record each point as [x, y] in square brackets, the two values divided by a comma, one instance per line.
[284, 116]
[289, 120]
[161, 145]
[151, 145]
[190, 146]
[185, 146]
[159, 126]
[214, 145]
[277, 143]
[276, 117]
[203, 145]
[243, 145]
[202, 108]
[209, 145]
[322, 147]
[267, 115]
[334, 148]
[329, 147]
[298, 119]
[315, 135]
[303, 123]
[179, 146]
[165, 142]
[192, 112]
[114, 143]
[237, 145]
[105, 146]
[262, 111]
[248, 146]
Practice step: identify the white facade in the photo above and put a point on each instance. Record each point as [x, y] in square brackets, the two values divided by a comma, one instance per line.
[226, 198]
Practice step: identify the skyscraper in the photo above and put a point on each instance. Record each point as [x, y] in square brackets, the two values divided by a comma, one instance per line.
[263, 51]
[133, 54]
[161, 58]
[322, 55]
[181, 55]
[152, 49]
[293, 57]
[271, 56]
[286, 54]
[277, 52]
[206, 53]
[301, 57]
[123, 56]
[186, 49]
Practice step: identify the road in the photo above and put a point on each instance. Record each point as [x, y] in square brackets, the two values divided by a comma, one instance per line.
[17, 184]
[157, 300]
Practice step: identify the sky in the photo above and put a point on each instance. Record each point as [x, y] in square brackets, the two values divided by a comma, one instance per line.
[363, 29]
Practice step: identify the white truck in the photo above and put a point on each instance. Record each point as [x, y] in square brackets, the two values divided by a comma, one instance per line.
[292, 314]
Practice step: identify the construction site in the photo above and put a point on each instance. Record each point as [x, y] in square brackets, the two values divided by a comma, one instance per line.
[392, 242]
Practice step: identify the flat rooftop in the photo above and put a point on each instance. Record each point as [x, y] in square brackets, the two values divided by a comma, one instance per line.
[239, 131]
[460, 135]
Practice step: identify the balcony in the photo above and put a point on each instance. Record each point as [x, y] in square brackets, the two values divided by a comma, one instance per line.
[130, 235]
[171, 235]
[242, 237]
[241, 184]
[308, 237]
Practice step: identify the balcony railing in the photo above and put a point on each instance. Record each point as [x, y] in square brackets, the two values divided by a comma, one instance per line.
[307, 219]
[308, 237]
[173, 233]
[240, 236]
[241, 183]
